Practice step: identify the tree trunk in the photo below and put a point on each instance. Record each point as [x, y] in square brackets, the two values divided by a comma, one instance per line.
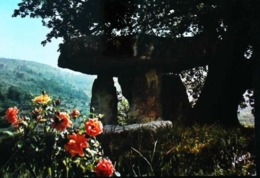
[228, 78]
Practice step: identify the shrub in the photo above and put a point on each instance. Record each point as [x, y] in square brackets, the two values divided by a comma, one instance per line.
[46, 143]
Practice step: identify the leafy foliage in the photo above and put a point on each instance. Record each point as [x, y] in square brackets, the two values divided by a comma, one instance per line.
[75, 18]
[122, 111]
[248, 100]
[194, 80]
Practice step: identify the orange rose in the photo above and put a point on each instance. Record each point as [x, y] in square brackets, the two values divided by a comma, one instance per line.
[104, 168]
[61, 121]
[75, 113]
[76, 144]
[42, 99]
[11, 114]
[93, 127]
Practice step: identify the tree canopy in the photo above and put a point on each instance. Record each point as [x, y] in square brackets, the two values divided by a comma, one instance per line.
[74, 18]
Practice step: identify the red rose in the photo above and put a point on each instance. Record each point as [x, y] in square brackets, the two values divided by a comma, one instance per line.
[76, 144]
[75, 113]
[93, 127]
[11, 114]
[61, 121]
[104, 168]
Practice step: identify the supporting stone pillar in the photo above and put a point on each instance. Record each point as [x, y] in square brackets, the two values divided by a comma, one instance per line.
[175, 103]
[104, 99]
[145, 105]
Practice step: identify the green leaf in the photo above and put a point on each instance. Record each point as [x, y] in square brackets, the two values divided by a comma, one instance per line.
[8, 133]
[50, 171]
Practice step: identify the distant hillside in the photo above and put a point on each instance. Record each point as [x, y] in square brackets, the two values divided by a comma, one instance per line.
[21, 80]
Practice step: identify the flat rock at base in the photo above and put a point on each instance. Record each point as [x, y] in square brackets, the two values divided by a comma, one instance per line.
[153, 126]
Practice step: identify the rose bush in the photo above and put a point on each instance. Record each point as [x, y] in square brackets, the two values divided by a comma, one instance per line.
[70, 152]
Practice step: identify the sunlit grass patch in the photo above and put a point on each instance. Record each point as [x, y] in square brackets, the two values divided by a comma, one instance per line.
[182, 150]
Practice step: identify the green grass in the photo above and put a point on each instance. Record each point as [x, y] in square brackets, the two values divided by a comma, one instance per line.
[207, 150]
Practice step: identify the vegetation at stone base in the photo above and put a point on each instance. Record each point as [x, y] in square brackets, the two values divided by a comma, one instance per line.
[21, 80]
[198, 150]
[123, 112]
[210, 150]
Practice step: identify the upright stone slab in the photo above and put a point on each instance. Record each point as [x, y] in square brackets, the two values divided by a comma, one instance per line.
[104, 99]
[145, 103]
[174, 99]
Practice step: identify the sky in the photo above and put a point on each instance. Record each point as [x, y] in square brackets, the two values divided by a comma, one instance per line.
[20, 38]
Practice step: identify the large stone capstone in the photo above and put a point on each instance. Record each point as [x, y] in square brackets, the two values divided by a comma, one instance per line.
[123, 55]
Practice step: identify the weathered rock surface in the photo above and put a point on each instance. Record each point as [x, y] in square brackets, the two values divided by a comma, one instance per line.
[153, 126]
[145, 103]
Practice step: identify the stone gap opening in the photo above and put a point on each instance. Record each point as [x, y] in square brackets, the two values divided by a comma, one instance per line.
[123, 106]
[245, 109]
[104, 99]
[194, 80]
